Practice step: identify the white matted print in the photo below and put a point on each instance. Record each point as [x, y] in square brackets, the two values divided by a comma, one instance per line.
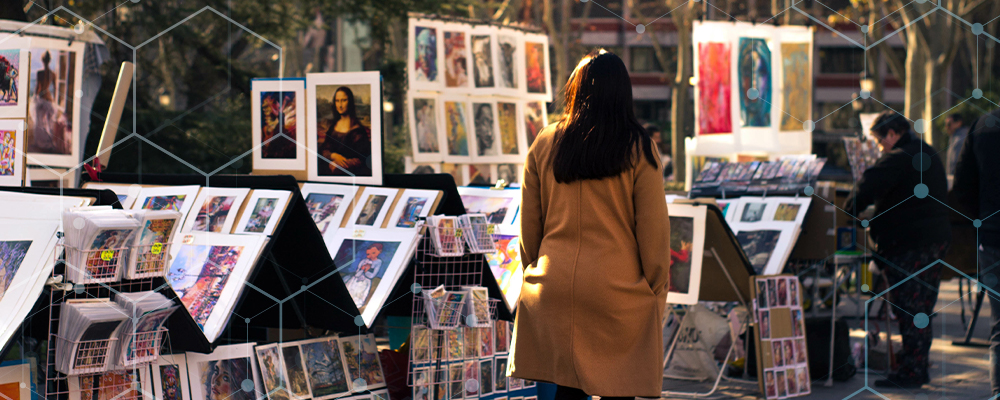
[486, 139]
[12, 140]
[370, 261]
[328, 204]
[224, 373]
[263, 212]
[54, 96]
[279, 129]
[215, 210]
[14, 86]
[537, 76]
[413, 204]
[499, 206]
[513, 143]
[170, 378]
[457, 57]
[766, 244]
[788, 209]
[208, 274]
[173, 198]
[16, 381]
[372, 206]
[509, 56]
[345, 127]
[26, 250]
[425, 62]
[535, 118]
[687, 246]
[425, 126]
[361, 356]
[483, 41]
[751, 209]
[459, 129]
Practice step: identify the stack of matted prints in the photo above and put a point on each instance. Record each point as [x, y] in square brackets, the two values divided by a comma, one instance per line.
[767, 228]
[476, 97]
[781, 337]
[443, 361]
[371, 234]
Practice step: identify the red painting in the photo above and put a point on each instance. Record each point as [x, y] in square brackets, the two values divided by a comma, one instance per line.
[714, 89]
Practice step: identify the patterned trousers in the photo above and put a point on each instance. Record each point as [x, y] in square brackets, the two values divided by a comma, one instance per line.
[912, 297]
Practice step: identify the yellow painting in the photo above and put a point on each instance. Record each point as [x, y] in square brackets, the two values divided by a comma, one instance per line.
[797, 99]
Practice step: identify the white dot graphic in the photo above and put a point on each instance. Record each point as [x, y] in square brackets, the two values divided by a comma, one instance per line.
[640, 28]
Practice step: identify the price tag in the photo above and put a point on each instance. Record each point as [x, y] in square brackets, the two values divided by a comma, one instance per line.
[107, 255]
[157, 248]
[359, 233]
[490, 228]
[458, 232]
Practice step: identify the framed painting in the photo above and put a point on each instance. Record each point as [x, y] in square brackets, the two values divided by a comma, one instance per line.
[425, 127]
[425, 60]
[345, 127]
[459, 129]
[457, 58]
[537, 74]
[687, 246]
[413, 205]
[224, 373]
[499, 206]
[278, 128]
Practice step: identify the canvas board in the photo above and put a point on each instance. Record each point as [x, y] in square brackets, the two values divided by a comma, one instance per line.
[221, 373]
[215, 209]
[208, 274]
[687, 247]
[345, 138]
[12, 149]
[264, 210]
[170, 378]
[370, 261]
[425, 59]
[328, 204]
[278, 108]
[372, 207]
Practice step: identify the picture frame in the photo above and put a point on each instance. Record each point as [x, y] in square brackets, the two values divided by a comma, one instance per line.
[361, 356]
[26, 249]
[687, 248]
[482, 41]
[363, 254]
[325, 367]
[767, 244]
[264, 210]
[426, 126]
[222, 259]
[457, 53]
[509, 56]
[537, 84]
[16, 381]
[412, 205]
[236, 361]
[277, 107]
[328, 204]
[15, 105]
[500, 206]
[171, 370]
[534, 117]
[58, 142]
[459, 131]
[361, 145]
[372, 207]
[425, 59]
[215, 209]
[12, 149]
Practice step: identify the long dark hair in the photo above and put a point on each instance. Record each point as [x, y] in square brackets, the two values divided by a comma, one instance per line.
[599, 134]
[352, 112]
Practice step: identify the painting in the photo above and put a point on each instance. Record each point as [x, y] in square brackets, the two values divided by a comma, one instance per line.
[56, 73]
[755, 73]
[370, 210]
[787, 211]
[507, 52]
[482, 61]
[499, 206]
[759, 246]
[223, 374]
[345, 127]
[26, 253]
[213, 214]
[534, 120]
[507, 118]
[366, 262]
[362, 360]
[479, 175]
[796, 85]
[714, 89]
[291, 358]
[501, 339]
[500, 370]
[505, 264]
[425, 129]
[412, 209]
[425, 65]
[276, 107]
[15, 68]
[327, 204]
[687, 242]
[170, 378]
[509, 173]
[115, 385]
[456, 59]
[12, 141]
[485, 336]
[421, 384]
[267, 208]
[456, 130]
[270, 372]
[216, 210]
[484, 122]
[753, 211]
[536, 65]
[12, 254]
[485, 377]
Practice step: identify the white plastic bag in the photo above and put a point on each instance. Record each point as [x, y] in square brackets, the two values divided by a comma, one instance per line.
[698, 335]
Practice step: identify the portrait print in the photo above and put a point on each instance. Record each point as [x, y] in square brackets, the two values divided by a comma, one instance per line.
[54, 83]
[425, 129]
[535, 66]
[425, 60]
[221, 379]
[344, 138]
[411, 212]
[485, 129]
[457, 128]
[482, 58]
[362, 265]
[485, 377]
[507, 51]
[456, 60]
[508, 172]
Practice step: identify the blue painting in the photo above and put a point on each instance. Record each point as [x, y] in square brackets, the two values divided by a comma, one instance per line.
[755, 73]
[362, 263]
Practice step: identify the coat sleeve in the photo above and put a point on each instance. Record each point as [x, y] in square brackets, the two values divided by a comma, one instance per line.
[965, 189]
[876, 181]
[652, 224]
[532, 216]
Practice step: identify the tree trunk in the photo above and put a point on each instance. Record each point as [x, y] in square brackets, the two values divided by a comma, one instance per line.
[680, 92]
[914, 77]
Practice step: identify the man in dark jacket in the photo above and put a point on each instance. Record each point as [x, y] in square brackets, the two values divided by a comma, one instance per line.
[911, 231]
[976, 191]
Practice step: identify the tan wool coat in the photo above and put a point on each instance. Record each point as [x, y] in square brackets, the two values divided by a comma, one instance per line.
[596, 257]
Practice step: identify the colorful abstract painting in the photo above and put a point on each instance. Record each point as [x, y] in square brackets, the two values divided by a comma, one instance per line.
[755, 73]
[714, 89]
[797, 90]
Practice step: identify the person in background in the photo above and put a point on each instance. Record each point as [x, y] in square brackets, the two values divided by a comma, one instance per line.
[977, 195]
[595, 246]
[957, 131]
[911, 231]
[668, 166]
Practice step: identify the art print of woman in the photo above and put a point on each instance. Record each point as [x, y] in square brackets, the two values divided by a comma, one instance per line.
[425, 63]
[360, 284]
[277, 117]
[347, 146]
[50, 128]
[223, 379]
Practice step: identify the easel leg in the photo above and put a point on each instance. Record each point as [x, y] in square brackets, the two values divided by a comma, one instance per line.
[972, 324]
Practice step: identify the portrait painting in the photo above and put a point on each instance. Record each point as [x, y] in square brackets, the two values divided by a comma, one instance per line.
[500, 370]
[755, 73]
[425, 60]
[762, 294]
[362, 360]
[485, 341]
[765, 324]
[482, 61]
[345, 127]
[534, 119]
[797, 85]
[771, 387]
[295, 371]
[782, 292]
[485, 126]
[457, 128]
[714, 89]
[507, 52]
[278, 128]
[424, 123]
[536, 65]
[779, 381]
[502, 336]
[54, 115]
[456, 59]
[221, 379]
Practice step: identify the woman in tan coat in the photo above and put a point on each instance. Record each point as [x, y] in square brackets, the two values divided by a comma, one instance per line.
[595, 239]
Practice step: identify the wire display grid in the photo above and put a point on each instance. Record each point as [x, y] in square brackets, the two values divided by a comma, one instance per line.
[144, 346]
[454, 241]
[90, 356]
[56, 384]
[151, 260]
[98, 265]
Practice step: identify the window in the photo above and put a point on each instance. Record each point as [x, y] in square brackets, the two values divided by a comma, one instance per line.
[841, 60]
[644, 59]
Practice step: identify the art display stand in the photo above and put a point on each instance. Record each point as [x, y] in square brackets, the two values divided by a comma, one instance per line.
[294, 284]
[724, 262]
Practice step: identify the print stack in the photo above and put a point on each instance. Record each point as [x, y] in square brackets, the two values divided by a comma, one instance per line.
[477, 95]
[451, 235]
[98, 242]
[443, 362]
[371, 233]
[767, 228]
[448, 309]
[788, 175]
[781, 337]
[142, 332]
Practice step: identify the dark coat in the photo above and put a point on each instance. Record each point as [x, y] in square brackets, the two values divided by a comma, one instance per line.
[976, 189]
